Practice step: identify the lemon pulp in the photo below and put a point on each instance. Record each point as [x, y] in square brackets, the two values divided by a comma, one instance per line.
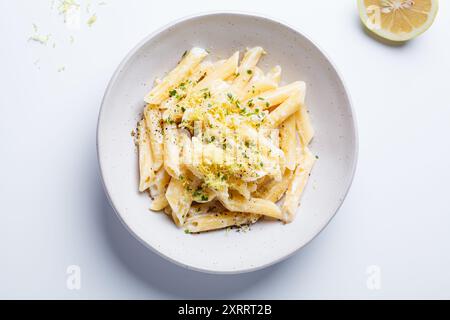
[398, 20]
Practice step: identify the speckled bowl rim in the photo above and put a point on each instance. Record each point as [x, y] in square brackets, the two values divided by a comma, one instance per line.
[250, 15]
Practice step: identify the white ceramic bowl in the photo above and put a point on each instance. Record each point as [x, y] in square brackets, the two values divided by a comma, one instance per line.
[335, 142]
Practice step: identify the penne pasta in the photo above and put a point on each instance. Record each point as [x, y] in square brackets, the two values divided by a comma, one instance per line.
[162, 91]
[203, 195]
[288, 142]
[222, 71]
[159, 184]
[179, 199]
[242, 188]
[252, 205]
[172, 150]
[274, 190]
[152, 118]
[146, 174]
[297, 185]
[203, 208]
[277, 96]
[218, 143]
[274, 75]
[159, 203]
[283, 111]
[303, 125]
[260, 83]
[186, 85]
[246, 70]
[220, 220]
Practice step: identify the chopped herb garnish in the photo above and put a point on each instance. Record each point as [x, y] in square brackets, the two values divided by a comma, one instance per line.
[207, 95]
[169, 120]
[249, 71]
[197, 192]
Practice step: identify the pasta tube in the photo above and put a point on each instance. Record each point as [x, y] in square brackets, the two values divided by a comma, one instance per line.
[161, 91]
[220, 220]
[146, 174]
[297, 185]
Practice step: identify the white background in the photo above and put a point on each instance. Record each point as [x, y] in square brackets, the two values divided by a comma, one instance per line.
[54, 212]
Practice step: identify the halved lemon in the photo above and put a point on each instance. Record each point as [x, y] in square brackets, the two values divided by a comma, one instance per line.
[398, 20]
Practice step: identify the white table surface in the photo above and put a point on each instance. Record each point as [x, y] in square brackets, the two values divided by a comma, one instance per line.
[54, 212]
